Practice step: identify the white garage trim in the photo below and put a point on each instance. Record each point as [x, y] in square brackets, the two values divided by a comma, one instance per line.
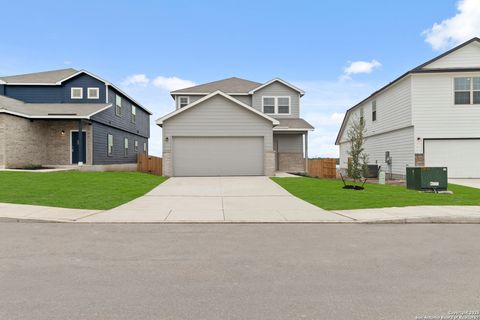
[218, 155]
[460, 155]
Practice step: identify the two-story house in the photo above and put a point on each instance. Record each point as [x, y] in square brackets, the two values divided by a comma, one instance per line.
[235, 127]
[65, 117]
[429, 116]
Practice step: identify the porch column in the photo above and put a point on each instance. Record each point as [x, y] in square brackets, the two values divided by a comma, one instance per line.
[80, 142]
[306, 151]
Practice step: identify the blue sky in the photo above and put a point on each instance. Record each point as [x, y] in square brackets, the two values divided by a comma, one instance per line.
[337, 51]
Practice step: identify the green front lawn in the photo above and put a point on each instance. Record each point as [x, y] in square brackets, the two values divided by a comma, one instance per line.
[73, 189]
[328, 194]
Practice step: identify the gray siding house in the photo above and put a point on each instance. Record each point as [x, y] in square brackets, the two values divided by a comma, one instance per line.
[235, 127]
[41, 115]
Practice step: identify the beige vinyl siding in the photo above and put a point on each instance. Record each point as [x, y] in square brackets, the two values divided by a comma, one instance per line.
[400, 143]
[192, 98]
[291, 143]
[466, 57]
[435, 114]
[217, 116]
[245, 99]
[278, 89]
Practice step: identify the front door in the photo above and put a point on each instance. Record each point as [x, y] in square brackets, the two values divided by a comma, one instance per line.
[76, 147]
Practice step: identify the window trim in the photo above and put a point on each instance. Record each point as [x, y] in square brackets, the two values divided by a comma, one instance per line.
[71, 93]
[118, 107]
[97, 89]
[133, 114]
[471, 91]
[145, 148]
[180, 101]
[126, 145]
[275, 105]
[135, 146]
[109, 154]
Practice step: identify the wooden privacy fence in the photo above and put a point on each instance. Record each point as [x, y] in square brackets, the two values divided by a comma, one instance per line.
[150, 164]
[322, 168]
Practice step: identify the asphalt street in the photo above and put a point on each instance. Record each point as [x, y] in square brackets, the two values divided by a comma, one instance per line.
[237, 271]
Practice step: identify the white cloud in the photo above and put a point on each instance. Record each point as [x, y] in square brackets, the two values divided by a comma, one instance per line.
[459, 28]
[136, 79]
[356, 67]
[172, 83]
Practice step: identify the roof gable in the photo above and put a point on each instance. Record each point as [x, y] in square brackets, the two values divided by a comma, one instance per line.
[465, 55]
[231, 86]
[211, 95]
[301, 92]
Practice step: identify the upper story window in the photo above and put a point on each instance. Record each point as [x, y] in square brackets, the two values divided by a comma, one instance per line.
[110, 145]
[93, 93]
[276, 105]
[374, 110]
[467, 90]
[134, 114]
[76, 93]
[183, 101]
[118, 105]
[283, 104]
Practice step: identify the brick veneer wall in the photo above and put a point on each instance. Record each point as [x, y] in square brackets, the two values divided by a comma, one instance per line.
[291, 162]
[39, 142]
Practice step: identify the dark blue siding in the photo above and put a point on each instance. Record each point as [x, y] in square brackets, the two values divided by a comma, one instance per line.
[83, 81]
[38, 94]
[124, 122]
[58, 94]
[2, 89]
[100, 145]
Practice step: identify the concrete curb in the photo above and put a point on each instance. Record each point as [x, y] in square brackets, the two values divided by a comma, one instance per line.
[429, 220]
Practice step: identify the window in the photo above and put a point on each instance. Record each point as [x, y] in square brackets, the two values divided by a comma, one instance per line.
[362, 115]
[93, 93]
[145, 147]
[126, 146]
[276, 105]
[467, 90]
[118, 105]
[183, 101]
[283, 105]
[374, 110]
[76, 93]
[134, 114]
[136, 146]
[110, 145]
[269, 105]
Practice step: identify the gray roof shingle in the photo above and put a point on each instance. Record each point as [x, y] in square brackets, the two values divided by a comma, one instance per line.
[40, 77]
[293, 124]
[50, 110]
[230, 86]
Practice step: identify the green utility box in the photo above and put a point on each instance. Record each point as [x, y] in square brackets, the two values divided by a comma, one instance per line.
[427, 178]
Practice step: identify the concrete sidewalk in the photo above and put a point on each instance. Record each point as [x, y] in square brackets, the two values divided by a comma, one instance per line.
[415, 214]
[9, 211]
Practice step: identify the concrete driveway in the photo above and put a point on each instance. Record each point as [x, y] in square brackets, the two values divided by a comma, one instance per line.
[474, 183]
[223, 199]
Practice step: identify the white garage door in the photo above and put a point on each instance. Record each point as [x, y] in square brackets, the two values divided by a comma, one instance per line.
[217, 156]
[462, 157]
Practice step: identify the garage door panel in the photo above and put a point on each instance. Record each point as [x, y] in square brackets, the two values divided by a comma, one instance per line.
[461, 156]
[217, 156]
